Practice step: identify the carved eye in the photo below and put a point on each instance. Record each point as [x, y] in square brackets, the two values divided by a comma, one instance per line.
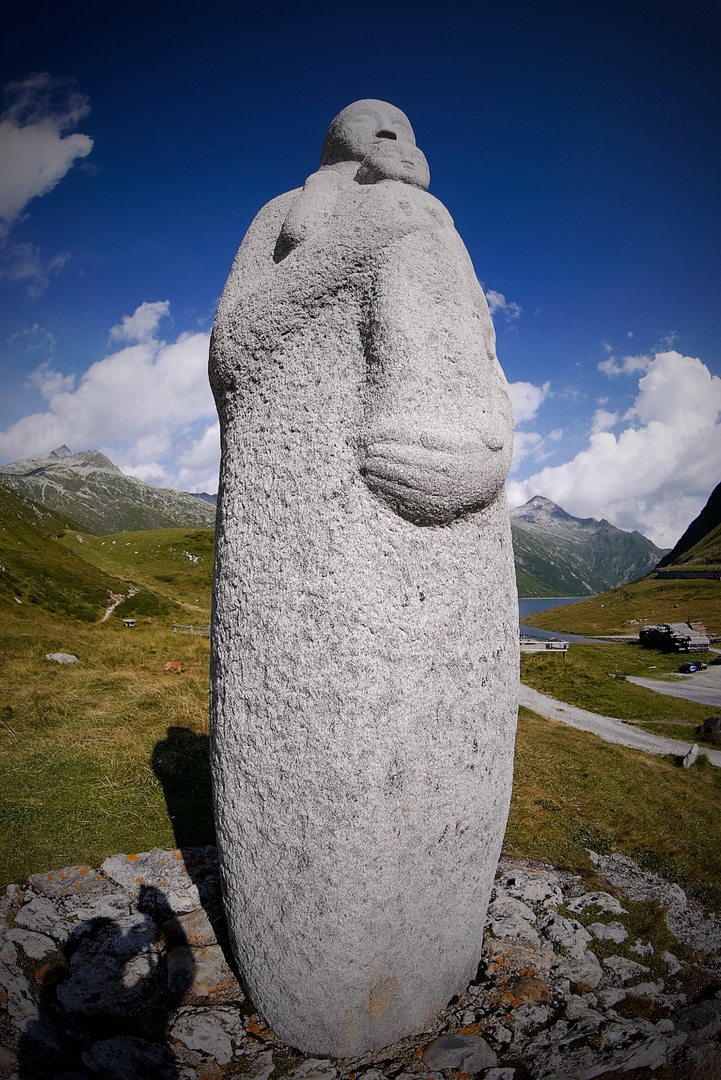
[384, 134]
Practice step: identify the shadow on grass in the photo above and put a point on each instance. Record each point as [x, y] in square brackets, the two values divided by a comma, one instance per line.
[181, 763]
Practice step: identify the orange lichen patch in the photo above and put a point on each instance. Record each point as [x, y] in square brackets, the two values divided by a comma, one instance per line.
[48, 974]
[132, 858]
[162, 862]
[379, 998]
[471, 1029]
[51, 877]
[65, 890]
[84, 871]
[161, 883]
[62, 875]
[76, 884]
[138, 881]
[253, 1027]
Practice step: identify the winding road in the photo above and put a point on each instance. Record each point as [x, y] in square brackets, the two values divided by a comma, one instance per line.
[607, 727]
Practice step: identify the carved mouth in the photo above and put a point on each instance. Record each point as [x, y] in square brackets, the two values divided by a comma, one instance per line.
[433, 481]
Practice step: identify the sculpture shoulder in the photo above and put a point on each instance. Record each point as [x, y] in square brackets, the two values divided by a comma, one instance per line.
[264, 228]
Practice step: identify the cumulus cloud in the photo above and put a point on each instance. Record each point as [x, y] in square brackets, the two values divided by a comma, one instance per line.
[527, 399]
[657, 473]
[148, 406]
[142, 324]
[603, 420]
[498, 305]
[628, 365]
[34, 151]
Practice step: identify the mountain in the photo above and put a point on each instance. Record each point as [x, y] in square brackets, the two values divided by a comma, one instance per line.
[569, 556]
[701, 543]
[212, 499]
[88, 488]
[37, 571]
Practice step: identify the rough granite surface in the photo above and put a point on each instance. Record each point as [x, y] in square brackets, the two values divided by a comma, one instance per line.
[365, 640]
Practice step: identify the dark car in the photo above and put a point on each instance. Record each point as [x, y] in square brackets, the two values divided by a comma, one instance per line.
[688, 668]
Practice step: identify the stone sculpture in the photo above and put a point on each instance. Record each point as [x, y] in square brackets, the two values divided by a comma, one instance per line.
[365, 627]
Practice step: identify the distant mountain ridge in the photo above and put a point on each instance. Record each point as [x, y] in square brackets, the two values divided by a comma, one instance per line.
[560, 555]
[701, 543]
[91, 490]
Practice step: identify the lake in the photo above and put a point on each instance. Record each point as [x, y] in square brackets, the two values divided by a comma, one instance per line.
[535, 604]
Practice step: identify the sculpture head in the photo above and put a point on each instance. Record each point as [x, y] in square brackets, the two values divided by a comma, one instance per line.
[380, 137]
[356, 129]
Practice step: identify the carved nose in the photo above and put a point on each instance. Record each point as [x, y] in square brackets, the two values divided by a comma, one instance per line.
[385, 134]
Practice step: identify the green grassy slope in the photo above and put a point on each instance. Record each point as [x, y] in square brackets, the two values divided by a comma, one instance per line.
[626, 609]
[705, 553]
[38, 571]
[173, 564]
[701, 543]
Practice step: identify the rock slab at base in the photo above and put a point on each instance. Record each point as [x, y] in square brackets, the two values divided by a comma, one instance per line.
[531, 1016]
[365, 640]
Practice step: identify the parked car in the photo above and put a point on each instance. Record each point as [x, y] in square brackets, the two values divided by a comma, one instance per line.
[688, 668]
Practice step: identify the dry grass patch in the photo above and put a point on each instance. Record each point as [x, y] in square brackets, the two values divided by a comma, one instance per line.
[573, 791]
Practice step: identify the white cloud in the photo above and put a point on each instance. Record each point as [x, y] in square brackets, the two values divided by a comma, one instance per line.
[142, 324]
[497, 303]
[658, 472]
[629, 365]
[527, 399]
[525, 443]
[603, 420]
[34, 152]
[148, 406]
[50, 382]
[24, 263]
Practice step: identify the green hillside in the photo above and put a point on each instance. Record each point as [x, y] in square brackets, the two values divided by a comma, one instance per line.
[701, 543]
[705, 553]
[626, 609]
[36, 570]
[173, 564]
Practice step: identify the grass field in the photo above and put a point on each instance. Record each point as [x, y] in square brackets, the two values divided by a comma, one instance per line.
[626, 609]
[574, 791]
[111, 755]
[105, 755]
[591, 677]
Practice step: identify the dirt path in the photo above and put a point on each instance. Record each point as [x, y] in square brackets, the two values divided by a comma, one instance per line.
[608, 728]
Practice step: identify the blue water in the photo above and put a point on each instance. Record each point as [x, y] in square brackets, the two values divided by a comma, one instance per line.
[534, 605]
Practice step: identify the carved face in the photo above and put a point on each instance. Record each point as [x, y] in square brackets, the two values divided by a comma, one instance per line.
[359, 127]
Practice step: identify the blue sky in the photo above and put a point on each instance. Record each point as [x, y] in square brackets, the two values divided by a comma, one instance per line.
[576, 146]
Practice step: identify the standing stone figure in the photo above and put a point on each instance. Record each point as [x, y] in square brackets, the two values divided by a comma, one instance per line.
[365, 626]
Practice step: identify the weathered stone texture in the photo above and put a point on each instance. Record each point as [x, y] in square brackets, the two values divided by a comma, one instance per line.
[365, 661]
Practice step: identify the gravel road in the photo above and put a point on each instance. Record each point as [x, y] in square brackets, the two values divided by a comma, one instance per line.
[607, 727]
